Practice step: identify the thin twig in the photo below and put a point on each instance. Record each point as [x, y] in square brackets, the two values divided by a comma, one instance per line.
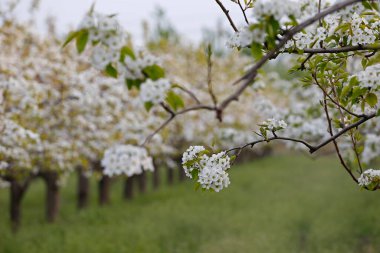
[319, 11]
[162, 126]
[344, 130]
[312, 148]
[335, 50]
[227, 13]
[172, 115]
[243, 11]
[355, 148]
[336, 144]
[302, 66]
[251, 144]
[190, 93]
[333, 100]
[209, 76]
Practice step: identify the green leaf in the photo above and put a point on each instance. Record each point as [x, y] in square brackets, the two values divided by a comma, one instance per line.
[356, 92]
[343, 27]
[346, 89]
[154, 72]
[360, 149]
[148, 106]
[126, 51]
[204, 152]
[365, 62]
[190, 163]
[111, 71]
[256, 51]
[232, 158]
[263, 132]
[70, 37]
[174, 100]
[367, 5]
[82, 40]
[194, 174]
[371, 99]
[133, 83]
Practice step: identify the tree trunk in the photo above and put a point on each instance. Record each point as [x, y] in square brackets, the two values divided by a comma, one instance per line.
[128, 187]
[104, 190]
[170, 176]
[16, 194]
[182, 175]
[156, 177]
[83, 190]
[142, 182]
[52, 196]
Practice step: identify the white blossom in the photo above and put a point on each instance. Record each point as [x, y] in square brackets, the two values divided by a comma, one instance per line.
[154, 91]
[369, 177]
[211, 171]
[126, 159]
[370, 77]
[274, 124]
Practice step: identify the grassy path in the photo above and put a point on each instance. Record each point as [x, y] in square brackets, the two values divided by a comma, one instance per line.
[278, 204]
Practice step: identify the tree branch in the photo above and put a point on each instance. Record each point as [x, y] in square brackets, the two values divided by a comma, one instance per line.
[364, 119]
[172, 116]
[312, 149]
[333, 100]
[335, 50]
[243, 11]
[190, 93]
[227, 13]
[251, 144]
[250, 76]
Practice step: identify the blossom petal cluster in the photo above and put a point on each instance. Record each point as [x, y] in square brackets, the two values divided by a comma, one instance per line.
[280, 10]
[126, 160]
[245, 36]
[210, 172]
[190, 155]
[105, 32]
[112, 55]
[369, 177]
[349, 26]
[274, 124]
[154, 91]
[370, 77]
[371, 148]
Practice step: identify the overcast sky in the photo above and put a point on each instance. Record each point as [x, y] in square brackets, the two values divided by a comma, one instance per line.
[189, 16]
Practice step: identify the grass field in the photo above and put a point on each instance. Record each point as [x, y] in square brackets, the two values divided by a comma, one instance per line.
[277, 204]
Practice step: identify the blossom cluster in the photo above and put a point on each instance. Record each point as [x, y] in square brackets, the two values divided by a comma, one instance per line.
[111, 54]
[353, 25]
[210, 172]
[191, 154]
[245, 36]
[104, 32]
[349, 26]
[256, 32]
[371, 147]
[280, 10]
[273, 124]
[370, 77]
[128, 160]
[370, 177]
[154, 91]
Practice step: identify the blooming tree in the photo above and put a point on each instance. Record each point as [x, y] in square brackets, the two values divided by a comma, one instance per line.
[334, 53]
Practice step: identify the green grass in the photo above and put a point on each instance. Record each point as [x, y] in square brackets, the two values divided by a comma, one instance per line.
[278, 204]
